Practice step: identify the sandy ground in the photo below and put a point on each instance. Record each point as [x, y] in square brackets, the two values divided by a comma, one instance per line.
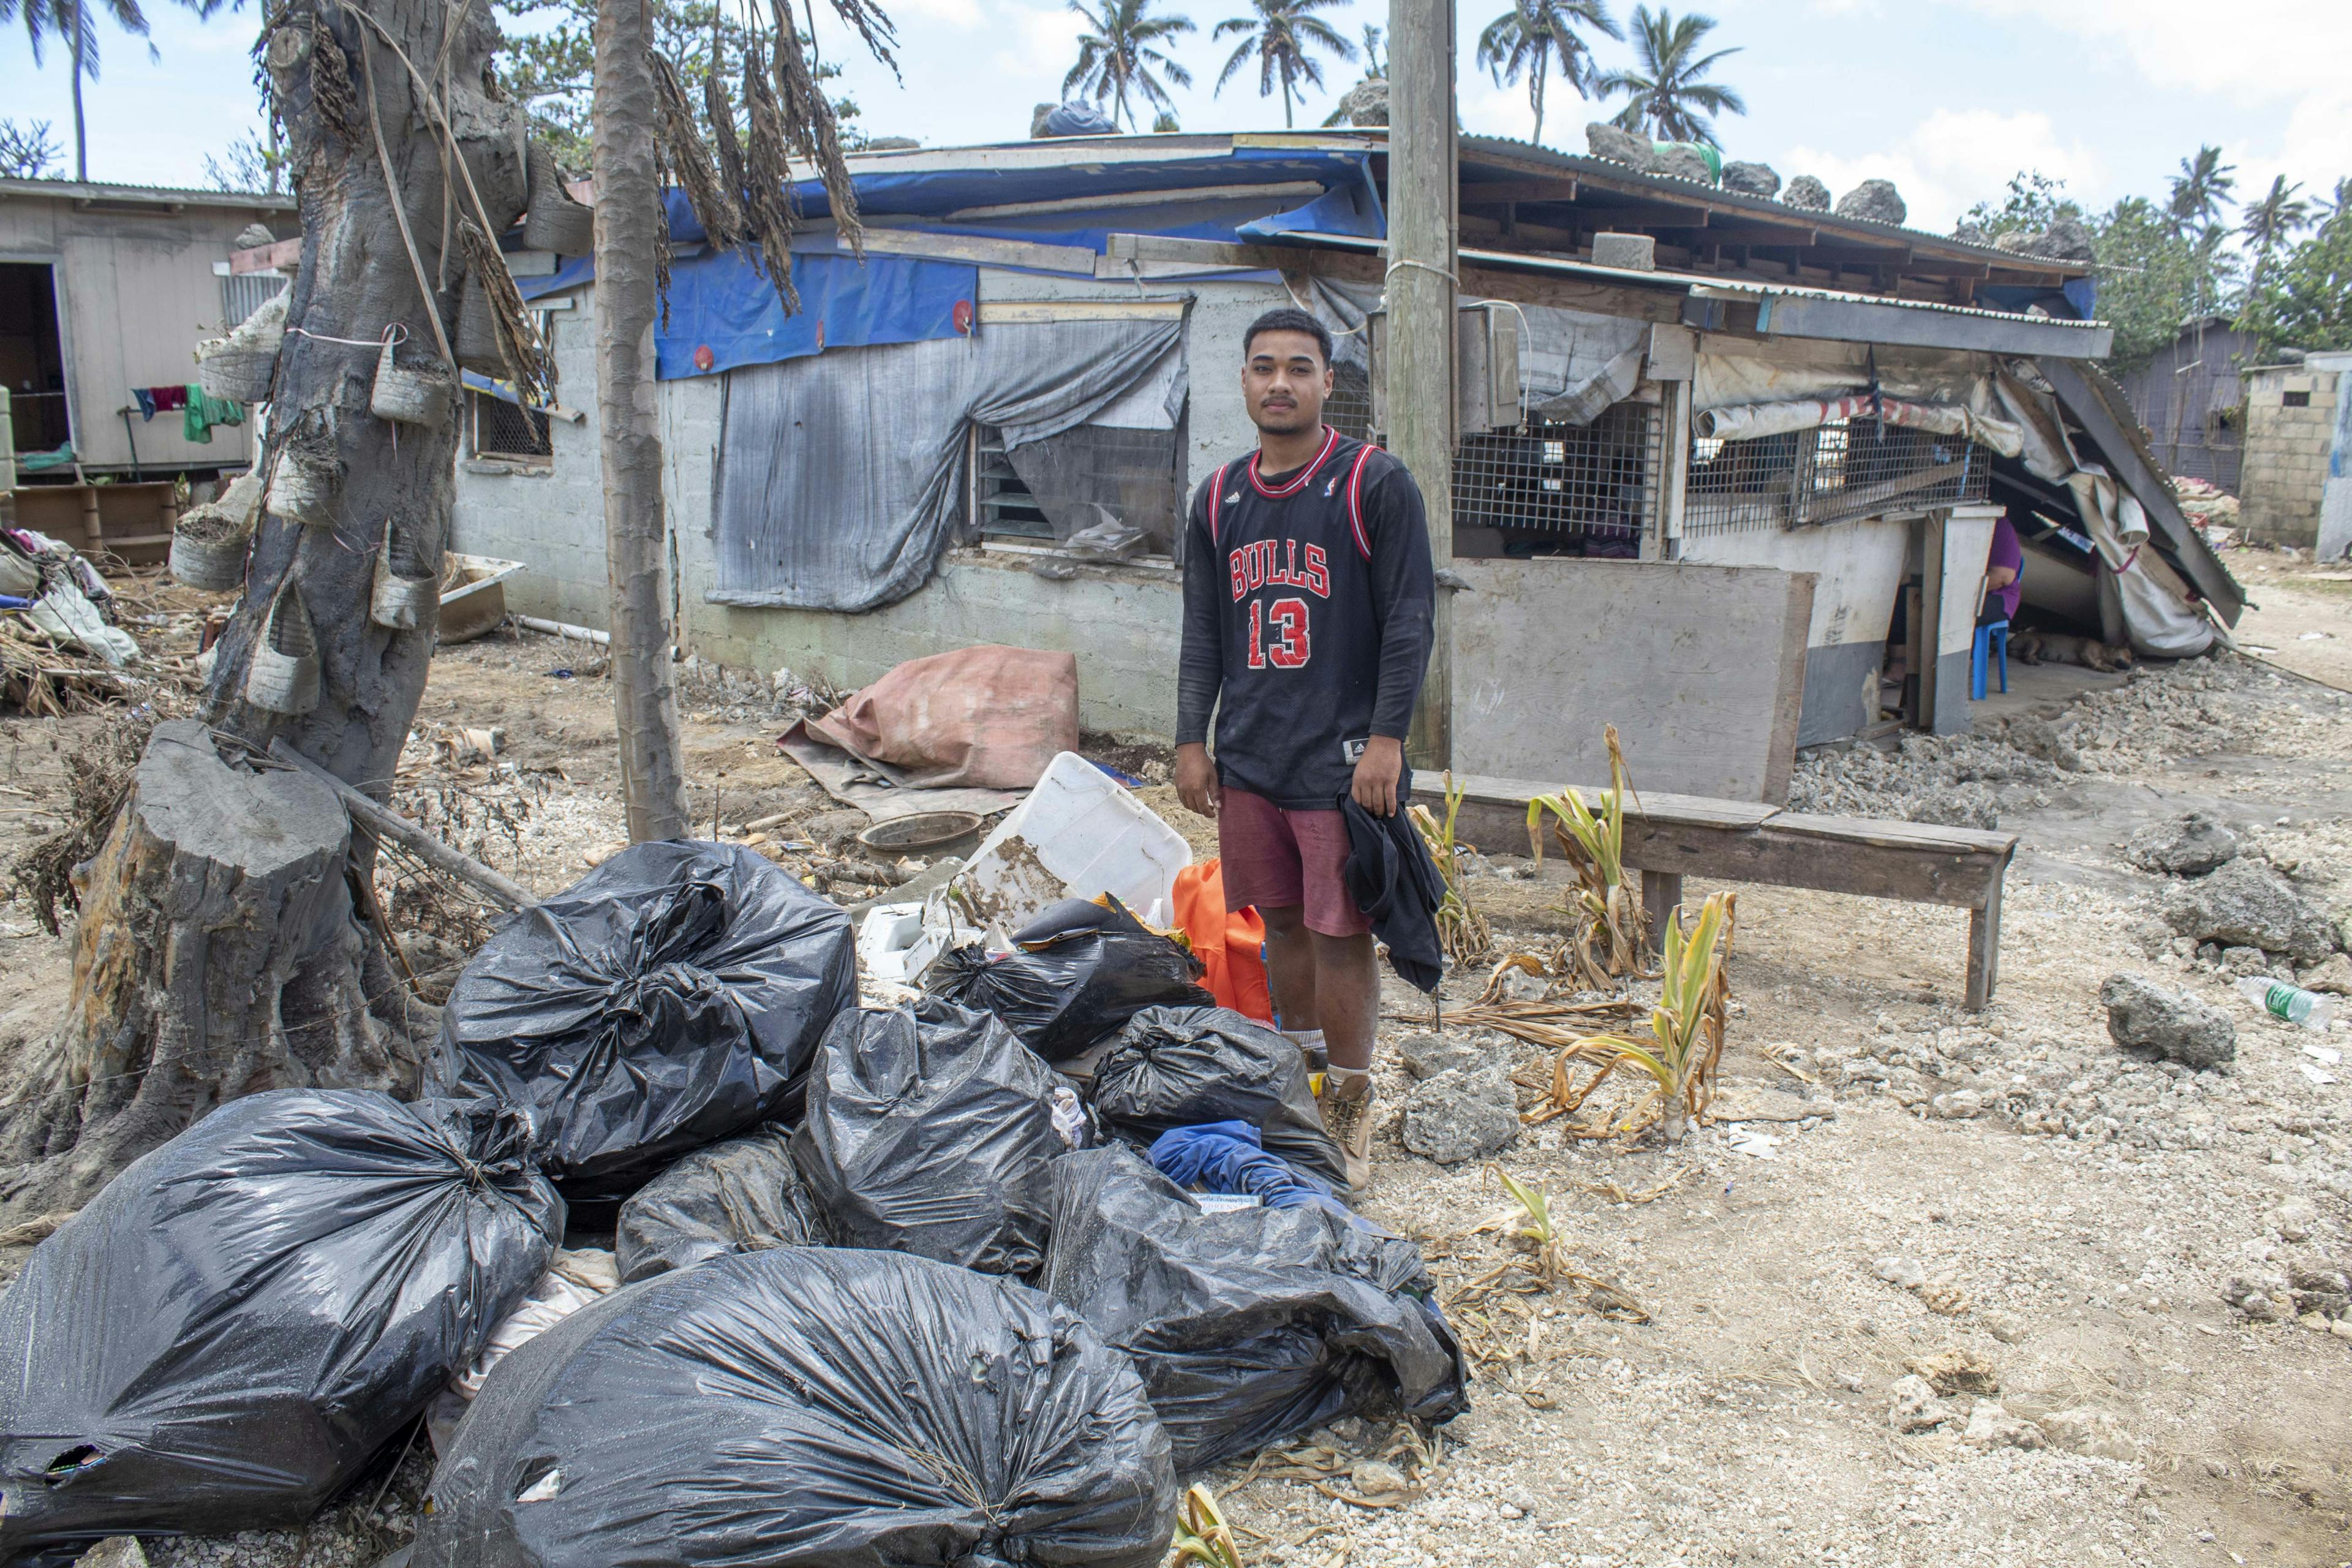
[2075, 1216]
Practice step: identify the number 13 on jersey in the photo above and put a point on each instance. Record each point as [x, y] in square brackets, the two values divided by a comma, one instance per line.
[1291, 648]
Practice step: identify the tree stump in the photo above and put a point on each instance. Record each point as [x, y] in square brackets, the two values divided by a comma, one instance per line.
[219, 957]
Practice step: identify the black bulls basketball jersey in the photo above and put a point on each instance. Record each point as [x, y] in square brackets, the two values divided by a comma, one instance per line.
[1308, 606]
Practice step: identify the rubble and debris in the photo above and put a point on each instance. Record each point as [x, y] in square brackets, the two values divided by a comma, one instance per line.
[2245, 903]
[672, 997]
[949, 1415]
[1619, 145]
[1876, 201]
[2187, 846]
[2092, 1433]
[930, 1129]
[1249, 1326]
[743, 1195]
[1751, 179]
[1956, 1371]
[239, 1322]
[2186, 1029]
[2156, 714]
[1807, 194]
[1182, 1067]
[1462, 1113]
[987, 718]
[1912, 1406]
[1991, 1425]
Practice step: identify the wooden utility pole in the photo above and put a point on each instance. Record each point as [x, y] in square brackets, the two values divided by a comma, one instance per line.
[1422, 279]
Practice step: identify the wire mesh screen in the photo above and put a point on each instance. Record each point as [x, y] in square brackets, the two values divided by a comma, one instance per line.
[502, 429]
[1585, 488]
[1349, 409]
[1833, 473]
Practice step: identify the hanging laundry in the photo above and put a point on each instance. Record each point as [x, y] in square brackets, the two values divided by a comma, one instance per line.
[204, 411]
[145, 397]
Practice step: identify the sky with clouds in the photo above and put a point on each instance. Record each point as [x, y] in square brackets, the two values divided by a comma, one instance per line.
[1946, 98]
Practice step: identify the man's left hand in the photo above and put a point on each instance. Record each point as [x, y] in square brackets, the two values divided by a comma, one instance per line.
[1377, 772]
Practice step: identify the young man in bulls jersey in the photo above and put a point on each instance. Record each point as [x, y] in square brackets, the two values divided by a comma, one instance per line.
[1308, 594]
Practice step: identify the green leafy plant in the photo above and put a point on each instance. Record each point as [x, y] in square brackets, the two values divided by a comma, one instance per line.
[1609, 945]
[1687, 1026]
[1539, 1231]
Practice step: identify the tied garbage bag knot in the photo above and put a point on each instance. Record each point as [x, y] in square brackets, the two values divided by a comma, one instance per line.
[673, 997]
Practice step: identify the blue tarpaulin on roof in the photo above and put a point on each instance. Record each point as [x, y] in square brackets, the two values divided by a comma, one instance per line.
[717, 302]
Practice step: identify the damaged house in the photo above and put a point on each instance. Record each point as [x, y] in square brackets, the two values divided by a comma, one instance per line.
[1726, 475]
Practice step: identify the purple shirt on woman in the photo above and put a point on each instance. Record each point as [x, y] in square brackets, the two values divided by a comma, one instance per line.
[2007, 551]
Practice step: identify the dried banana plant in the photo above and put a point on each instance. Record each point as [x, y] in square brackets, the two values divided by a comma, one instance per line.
[1687, 1026]
[1461, 929]
[1614, 930]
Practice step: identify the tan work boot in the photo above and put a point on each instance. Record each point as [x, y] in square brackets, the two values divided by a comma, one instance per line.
[1347, 1106]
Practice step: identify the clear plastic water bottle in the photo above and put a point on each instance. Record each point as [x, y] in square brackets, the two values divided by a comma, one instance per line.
[2291, 1003]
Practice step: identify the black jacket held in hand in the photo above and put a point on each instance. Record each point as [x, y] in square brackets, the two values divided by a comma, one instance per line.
[1307, 610]
[1397, 885]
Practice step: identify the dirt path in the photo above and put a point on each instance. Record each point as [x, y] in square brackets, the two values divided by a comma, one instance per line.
[2074, 1215]
[2303, 614]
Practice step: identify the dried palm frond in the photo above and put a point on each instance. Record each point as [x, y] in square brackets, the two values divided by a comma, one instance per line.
[768, 176]
[1613, 930]
[519, 344]
[684, 155]
[1461, 929]
[808, 113]
[720, 111]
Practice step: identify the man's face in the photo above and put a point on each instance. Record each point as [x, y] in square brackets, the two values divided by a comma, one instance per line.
[1285, 381]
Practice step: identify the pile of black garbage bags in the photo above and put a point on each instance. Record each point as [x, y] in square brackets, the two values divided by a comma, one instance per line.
[924, 1285]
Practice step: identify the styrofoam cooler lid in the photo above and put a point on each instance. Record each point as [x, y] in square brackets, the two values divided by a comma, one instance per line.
[1079, 834]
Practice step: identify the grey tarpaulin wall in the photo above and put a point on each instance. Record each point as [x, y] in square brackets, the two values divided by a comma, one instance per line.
[841, 475]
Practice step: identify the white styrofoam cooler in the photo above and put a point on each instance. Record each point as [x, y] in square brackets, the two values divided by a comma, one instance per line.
[1079, 836]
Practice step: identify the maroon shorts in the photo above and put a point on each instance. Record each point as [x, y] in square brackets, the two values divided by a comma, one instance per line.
[1276, 859]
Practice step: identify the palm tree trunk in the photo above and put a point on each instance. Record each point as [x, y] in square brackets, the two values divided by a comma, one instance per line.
[628, 215]
[1285, 99]
[81, 141]
[1535, 87]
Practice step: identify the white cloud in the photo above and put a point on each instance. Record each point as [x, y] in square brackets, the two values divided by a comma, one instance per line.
[1953, 159]
[2256, 50]
[960, 15]
[1047, 43]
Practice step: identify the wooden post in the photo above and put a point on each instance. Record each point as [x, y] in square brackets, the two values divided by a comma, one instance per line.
[1931, 616]
[1422, 278]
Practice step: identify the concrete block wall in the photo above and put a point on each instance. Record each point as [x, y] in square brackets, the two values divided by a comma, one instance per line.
[2285, 464]
[1123, 622]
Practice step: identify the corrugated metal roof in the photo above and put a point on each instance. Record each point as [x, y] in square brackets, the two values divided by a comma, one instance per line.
[154, 195]
[1676, 186]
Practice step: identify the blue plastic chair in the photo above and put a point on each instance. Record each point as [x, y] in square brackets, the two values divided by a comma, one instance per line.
[1993, 638]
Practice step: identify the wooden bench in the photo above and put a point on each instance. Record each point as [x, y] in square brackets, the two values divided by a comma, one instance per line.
[1670, 837]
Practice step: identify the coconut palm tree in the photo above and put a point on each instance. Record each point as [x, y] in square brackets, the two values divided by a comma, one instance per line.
[1538, 37]
[73, 21]
[2268, 222]
[1119, 56]
[2200, 190]
[1281, 34]
[1666, 94]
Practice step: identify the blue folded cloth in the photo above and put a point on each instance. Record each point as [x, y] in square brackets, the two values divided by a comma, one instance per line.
[1226, 1157]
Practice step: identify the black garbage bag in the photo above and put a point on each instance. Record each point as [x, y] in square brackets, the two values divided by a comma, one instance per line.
[1249, 1326]
[742, 1195]
[808, 1408]
[929, 1130]
[1182, 1067]
[671, 998]
[1080, 971]
[243, 1319]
